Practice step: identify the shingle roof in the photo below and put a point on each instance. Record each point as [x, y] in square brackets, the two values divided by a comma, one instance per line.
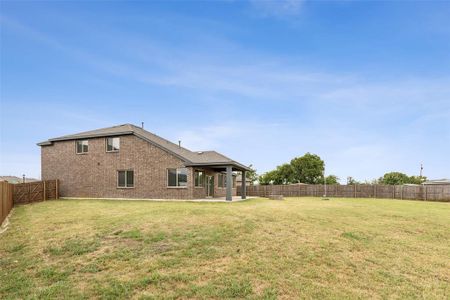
[189, 157]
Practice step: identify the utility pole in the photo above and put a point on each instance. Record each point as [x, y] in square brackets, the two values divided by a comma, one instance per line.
[421, 169]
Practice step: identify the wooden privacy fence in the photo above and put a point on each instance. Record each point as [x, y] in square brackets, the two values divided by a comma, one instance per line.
[420, 192]
[6, 200]
[35, 191]
[23, 193]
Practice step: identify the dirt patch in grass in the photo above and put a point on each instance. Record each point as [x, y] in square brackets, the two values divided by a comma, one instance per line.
[73, 246]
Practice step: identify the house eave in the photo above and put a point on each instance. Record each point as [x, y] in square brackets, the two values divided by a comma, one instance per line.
[89, 136]
[45, 143]
[220, 165]
[73, 138]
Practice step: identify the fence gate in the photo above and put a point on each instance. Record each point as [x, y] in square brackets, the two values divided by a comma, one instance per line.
[21, 192]
[35, 191]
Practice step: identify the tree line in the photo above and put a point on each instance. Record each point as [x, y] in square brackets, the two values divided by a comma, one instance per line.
[310, 168]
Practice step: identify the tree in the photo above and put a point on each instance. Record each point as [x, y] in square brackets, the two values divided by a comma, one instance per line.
[263, 180]
[251, 174]
[394, 178]
[267, 178]
[417, 179]
[330, 179]
[398, 178]
[351, 180]
[307, 168]
[373, 181]
[285, 174]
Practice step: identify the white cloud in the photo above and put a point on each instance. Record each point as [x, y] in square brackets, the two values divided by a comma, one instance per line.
[277, 8]
[207, 137]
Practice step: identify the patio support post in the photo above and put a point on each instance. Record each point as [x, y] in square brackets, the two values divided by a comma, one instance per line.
[243, 186]
[229, 184]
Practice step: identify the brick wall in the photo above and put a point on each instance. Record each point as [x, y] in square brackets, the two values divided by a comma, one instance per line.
[94, 174]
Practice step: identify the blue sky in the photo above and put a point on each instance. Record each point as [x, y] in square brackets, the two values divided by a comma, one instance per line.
[365, 85]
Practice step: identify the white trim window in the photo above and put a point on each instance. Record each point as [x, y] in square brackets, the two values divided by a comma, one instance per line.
[125, 179]
[177, 177]
[82, 146]
[112, 144]
[199, 178]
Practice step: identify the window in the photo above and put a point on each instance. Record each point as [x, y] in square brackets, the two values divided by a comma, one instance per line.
[199, 178]
[222, 180]
[172, 177]
[112, 144]
[125, 179]
[82, 146]
[177, 177]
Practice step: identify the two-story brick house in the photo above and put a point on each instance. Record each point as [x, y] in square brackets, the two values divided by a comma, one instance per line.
[127, 161]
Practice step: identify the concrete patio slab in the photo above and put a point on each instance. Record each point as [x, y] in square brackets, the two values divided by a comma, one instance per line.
[218, 199]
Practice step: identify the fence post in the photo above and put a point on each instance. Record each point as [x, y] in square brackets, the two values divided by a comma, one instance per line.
[44, 192]
[393, 191]
[426, 193]
[375, 191]
[401, 192]
[10, 196]
[1, 202]
[57, 189]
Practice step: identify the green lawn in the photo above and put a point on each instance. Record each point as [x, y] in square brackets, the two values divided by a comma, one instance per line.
[297, 248]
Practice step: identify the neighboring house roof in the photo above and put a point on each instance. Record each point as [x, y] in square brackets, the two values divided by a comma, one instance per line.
[239, 178]
[15, 179]
[437, 181]
[200, 158]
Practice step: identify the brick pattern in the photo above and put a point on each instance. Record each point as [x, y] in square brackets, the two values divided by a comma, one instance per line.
[94, 174]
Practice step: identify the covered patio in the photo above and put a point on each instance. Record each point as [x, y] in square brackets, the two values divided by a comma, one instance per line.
[228, 169]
